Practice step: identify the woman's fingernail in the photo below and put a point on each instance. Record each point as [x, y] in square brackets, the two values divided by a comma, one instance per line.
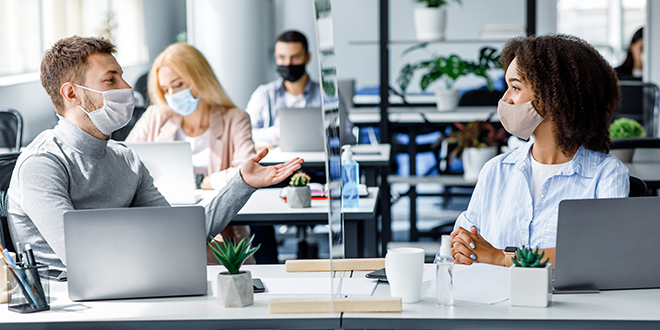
[472, 245]
[473, 257]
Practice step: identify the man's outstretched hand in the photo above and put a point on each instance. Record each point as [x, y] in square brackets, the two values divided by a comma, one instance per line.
[258, 176]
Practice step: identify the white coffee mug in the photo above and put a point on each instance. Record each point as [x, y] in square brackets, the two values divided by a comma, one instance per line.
[3, 279]
[404, 268]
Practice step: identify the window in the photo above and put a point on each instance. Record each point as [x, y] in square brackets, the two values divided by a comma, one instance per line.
[24, 36]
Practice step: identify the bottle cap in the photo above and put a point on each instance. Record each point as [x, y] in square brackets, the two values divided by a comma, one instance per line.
[445, 246]
[347, 154]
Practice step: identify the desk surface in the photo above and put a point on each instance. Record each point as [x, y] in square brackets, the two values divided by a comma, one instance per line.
[365, 154]
[419, 115]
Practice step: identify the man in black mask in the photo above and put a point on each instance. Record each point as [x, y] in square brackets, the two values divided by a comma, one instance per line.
[293, 90]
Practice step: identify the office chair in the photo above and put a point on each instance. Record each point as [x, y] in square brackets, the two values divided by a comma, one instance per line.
[480, 97]
[11, 129]
[640, 101]
[141, 87]
[7, 163]
[122, 133]
[637, 188]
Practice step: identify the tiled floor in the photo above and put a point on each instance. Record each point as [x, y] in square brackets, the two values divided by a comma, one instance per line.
[430, 213]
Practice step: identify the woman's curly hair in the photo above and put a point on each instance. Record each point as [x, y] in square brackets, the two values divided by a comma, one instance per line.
[573, 85]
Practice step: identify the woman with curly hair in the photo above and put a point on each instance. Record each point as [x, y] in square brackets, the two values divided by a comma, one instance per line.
[564, 93]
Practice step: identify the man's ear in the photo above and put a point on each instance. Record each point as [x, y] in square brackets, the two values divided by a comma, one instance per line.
[68, 92]
[309, 58]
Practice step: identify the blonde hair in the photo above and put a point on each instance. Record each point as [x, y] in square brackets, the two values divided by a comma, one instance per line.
[188, 62]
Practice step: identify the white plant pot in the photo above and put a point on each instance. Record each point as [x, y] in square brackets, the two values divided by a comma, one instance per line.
[474, 159]
[235, 290]
[624, 155]
[530, 286]
[446, 99]
[430, 23]
[299, 197]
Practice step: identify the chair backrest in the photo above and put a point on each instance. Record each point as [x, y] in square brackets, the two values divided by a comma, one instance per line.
[122, 133]
[640, 101]
[7, 163]
[637, 187]
[11, 129]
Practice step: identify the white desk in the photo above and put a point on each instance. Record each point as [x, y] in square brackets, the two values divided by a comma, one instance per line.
[265, 207]
[197, 312]
[619, 309]
[365, 154]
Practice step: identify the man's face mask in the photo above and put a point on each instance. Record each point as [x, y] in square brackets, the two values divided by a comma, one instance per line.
[117, 110]
[519, 119]
[291, 72]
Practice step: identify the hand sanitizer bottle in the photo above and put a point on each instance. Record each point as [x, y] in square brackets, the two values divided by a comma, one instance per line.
[350, 178]
[444, 276]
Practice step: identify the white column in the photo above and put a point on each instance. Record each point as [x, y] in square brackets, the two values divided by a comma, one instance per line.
[651, 43]
[235, 37]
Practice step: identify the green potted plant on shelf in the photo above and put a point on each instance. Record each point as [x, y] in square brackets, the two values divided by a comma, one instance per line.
[623, 128]
[298, 193]
[448, 69]
[476, 143]
[431, 19]
[530, 279]
[234, 286]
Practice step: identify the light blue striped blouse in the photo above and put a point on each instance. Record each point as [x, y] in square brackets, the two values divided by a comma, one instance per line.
[501, 205]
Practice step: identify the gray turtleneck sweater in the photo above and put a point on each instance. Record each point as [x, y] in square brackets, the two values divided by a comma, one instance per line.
[67, 169]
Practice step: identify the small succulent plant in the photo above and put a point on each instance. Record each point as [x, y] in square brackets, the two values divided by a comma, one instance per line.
[529, 258]
[299, 180]
[233, 255]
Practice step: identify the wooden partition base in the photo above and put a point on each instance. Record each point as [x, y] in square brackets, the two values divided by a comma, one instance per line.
[323, 265]
[342, 305]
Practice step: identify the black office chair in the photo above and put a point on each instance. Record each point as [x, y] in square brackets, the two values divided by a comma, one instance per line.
[141, 87]
[11, 129]
[7, 163]
[637, 188]
[640, 101]
[480, 97]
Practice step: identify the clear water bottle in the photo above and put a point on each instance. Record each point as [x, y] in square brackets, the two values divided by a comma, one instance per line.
[350, 178]
[444, 273]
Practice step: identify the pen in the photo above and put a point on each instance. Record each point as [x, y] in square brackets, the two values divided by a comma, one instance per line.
[36, 280]
[24, 286]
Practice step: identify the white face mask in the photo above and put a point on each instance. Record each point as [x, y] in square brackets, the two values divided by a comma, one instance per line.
[519, 119]
[117, 110]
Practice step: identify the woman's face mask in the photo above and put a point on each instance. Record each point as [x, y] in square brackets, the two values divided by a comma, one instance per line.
[117, 110]
[519, 119]
[182, 102]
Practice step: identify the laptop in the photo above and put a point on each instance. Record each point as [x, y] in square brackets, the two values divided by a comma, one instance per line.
[605, 244]
[135, 252]
[170, 164]
[301, 129]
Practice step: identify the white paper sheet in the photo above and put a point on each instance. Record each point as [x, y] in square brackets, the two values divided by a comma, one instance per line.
[478, 283]
[318, 286]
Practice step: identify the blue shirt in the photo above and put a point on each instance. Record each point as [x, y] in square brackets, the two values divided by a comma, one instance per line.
[501, 205]
[265, 103]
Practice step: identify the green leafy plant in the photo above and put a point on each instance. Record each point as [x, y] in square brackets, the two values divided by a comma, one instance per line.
[299, 179]
[626, 128]
[435, 3]
[233, 255]
[448, 69]
[529, 258]
[476, 134]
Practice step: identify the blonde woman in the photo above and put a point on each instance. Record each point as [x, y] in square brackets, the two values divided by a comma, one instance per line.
[190, 105]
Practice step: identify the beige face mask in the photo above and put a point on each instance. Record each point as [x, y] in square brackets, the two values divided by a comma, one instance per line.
[519, 119]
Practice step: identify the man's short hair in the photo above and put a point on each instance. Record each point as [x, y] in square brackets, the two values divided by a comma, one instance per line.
[67, 61]
[293, 36]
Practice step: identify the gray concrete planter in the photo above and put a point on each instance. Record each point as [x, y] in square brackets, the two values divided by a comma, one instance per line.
[299, 197]
[235, 290]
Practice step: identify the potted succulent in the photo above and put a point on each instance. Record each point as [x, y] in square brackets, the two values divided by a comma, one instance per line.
[448, 69]
[298, 193]
[625, 128]
[234, 286]
[477, 142]
[431, 19]
[530, 279]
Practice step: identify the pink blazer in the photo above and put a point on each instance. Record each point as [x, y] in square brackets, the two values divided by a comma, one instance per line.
[230, 134]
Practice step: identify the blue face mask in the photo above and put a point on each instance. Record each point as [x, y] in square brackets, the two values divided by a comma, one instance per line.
[182, 102]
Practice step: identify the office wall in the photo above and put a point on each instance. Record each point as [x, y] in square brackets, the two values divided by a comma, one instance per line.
[163, 20]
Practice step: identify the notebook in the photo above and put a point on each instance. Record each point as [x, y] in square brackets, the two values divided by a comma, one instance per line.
[135, 252]
[170, 164]
[605, 244]
[301, 129]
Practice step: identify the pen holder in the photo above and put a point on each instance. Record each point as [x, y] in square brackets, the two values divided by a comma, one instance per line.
[28, 288]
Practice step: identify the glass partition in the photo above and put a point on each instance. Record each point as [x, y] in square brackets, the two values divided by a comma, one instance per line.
[331, 126]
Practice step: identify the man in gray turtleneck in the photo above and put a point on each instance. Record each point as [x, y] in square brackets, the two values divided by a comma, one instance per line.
[75, 165]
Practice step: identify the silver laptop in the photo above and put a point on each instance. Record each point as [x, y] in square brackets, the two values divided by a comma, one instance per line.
[170, 164]
[605, 244]
[135, 252]
[301, 129]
